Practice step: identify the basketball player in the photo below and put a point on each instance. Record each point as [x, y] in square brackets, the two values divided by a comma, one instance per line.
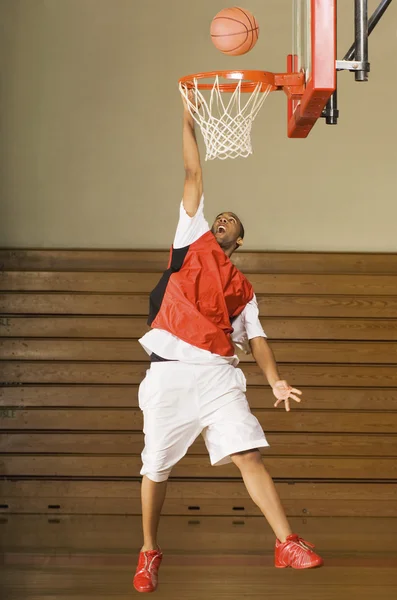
[200, 307]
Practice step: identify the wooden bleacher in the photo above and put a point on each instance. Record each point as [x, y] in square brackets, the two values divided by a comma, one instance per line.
[71, 429]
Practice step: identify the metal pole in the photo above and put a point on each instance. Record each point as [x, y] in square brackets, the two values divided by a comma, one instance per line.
[361, 36]
[372, 23]
[331, 112]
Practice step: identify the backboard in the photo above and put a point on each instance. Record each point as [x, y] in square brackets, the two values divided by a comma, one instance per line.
[314, 55]
[309, 83]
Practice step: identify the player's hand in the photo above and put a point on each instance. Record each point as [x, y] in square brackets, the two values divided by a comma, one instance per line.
[195, 103]
[284, 393]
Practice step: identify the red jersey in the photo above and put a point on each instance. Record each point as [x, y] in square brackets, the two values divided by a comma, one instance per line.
[199, 294]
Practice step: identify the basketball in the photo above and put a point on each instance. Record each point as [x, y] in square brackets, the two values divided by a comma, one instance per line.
[234, 31]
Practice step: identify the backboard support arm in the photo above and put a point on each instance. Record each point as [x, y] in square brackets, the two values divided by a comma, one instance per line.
[358, 50]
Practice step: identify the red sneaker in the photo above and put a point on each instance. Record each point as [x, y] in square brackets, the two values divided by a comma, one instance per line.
[295, 552]
[146, 575]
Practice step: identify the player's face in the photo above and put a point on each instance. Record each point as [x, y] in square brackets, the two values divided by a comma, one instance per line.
[226, 229]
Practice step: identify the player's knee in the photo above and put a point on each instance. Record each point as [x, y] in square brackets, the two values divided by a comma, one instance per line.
[246, 457]
[157, 476]
[156, 468]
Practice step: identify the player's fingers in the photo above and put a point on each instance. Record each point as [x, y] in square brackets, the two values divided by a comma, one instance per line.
[278, 402]
[294, 398]
[282, 396]
[287, 408]
[296, 391]
[193, 98]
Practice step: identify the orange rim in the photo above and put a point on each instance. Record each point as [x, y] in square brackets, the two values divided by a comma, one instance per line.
[293, 82]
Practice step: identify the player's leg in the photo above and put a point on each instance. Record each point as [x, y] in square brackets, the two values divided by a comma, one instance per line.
[166, 398]
[262, 490]
[152, 497]
[170, 427]
[290, 549]
[233, 433]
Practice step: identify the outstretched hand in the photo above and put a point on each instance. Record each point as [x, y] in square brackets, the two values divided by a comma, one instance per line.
[195, 103]
[284, 392]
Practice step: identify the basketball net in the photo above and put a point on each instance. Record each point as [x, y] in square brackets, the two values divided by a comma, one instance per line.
[225, 126]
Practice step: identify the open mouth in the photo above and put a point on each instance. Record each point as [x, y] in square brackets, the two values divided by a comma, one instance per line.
[221, 229]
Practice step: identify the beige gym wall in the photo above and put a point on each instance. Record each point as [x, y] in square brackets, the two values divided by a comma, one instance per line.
[91, 131]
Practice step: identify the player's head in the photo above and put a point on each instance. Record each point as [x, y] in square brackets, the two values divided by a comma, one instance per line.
[228, 231]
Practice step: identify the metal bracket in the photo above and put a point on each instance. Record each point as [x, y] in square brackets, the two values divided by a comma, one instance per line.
[358, 50]
[352, 65]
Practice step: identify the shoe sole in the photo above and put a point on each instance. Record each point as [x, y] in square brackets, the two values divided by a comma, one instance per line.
[298, 568]
[144, 591]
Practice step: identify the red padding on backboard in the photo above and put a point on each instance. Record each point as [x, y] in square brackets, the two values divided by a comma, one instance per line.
[322, 82]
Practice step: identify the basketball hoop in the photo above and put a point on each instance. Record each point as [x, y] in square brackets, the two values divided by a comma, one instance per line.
[226, 125]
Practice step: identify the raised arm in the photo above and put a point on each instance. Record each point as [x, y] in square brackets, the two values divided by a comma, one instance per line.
[193, 186]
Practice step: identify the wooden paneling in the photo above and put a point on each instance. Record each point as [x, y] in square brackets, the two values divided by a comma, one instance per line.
[272, 420]
[131, 350]
[121, 443]
[156, 260]
[276, 328]
[71, 365]
[200, 497]
[38, 372]
[86, 533]
[302, 467]
[280, 284]
[126, 396]
[358, 307]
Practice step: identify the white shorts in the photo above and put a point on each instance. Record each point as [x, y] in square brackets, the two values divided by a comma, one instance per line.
[179, 401]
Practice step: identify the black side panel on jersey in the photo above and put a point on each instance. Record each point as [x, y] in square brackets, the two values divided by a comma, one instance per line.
[157, 295]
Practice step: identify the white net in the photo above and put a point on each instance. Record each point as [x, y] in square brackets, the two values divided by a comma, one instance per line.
[225, 125]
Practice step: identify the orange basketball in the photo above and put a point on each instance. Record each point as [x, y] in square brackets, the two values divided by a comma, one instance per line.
[234, 31]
